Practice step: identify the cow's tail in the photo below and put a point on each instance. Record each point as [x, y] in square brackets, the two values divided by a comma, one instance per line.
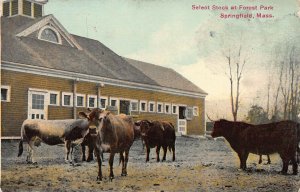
[21, 141]
[20, 148]
[298, 140]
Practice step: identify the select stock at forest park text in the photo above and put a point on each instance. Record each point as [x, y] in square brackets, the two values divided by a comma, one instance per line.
[233, 7]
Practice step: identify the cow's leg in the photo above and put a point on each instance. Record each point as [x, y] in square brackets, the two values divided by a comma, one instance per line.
[67, 149]
[126, 161]
[111, 164]
[97, 153]
[122, 160]
[83, 152]
[165, 148]
[90, 153]
[147, 153]
[295, 164]
[285, 163]
[30, 149]
[269, 160]
[260, 159]
[243, 159]
[157, 153]
[173, 149]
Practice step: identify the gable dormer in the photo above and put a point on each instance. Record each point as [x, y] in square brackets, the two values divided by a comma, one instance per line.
[49, 29]
[28, 8]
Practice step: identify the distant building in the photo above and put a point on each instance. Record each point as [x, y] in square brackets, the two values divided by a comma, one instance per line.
[48, 73]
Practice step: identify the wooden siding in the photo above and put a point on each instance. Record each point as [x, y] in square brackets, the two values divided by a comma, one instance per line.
[15, 111]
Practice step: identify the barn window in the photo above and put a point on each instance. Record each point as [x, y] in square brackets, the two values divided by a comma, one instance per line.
[49, 33]
[113, 102]
[124, 106]
[143, 106]
[38, 101]
[103, 102]
[189, 113]
[174, 109]
[5, 93]
[54, 97]
[134, 105]
[67, 99]
[195, 111]
[151, 106]
[80, 100]
[92, 101]
[160, 108]
[167, 108]
[26, 8]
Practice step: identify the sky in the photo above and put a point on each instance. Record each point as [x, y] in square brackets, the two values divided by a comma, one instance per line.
[192, 42]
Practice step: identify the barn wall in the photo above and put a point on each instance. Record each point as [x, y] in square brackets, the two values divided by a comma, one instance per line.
[13, 113]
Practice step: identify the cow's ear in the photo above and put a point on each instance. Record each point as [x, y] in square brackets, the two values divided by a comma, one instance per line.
[137, 123]
[83, 115]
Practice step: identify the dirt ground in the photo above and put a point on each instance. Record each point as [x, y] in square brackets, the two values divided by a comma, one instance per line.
[201, 165]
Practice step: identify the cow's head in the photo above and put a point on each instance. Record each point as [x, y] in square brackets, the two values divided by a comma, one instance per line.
[144, 127]
[219, 128]
[93, 116]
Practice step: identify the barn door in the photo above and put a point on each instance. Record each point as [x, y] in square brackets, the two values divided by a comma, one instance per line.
[182, 123]
[125, 107]
[37, 107]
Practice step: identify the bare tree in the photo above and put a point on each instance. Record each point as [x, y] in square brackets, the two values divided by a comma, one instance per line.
[236, 63]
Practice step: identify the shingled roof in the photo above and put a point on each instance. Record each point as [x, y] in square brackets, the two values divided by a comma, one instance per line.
[94, 58]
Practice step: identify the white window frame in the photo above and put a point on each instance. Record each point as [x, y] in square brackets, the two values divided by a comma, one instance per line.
[84, 99]
[174, 105]
[8, 92]
[88, 101]
[137, 105]
[154, 107]
[196, 111]
[162, 107]
[63, 101]
[165, 108]
[117, 102]
[57, 98]
[187, 117]
[106, 102]
[54, 30]
[143, 101]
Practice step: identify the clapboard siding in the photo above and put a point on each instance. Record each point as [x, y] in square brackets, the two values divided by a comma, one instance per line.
[15, 111]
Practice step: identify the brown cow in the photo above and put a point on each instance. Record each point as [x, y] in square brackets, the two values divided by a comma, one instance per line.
[115, 134]
[157, 134]
[280, 137]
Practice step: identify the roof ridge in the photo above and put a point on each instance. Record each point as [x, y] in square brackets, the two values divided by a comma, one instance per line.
[148, 63]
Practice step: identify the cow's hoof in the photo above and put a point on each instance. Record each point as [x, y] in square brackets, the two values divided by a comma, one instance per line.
[283, 173]
[295, 173]
[89, 160]
[34, 163]
[111, 178]
[124, 174]
[99, 178]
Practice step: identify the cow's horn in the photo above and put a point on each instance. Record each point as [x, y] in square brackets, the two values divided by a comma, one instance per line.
[209, 118]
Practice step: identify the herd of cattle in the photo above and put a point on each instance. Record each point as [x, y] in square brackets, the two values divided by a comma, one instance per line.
[104, 132]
